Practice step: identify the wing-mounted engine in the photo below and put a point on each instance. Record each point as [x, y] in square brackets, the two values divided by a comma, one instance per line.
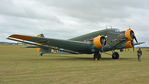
[129, 44]
[99, 41]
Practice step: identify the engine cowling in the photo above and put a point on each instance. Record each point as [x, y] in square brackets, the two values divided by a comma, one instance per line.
[128, 44]
[129, 34]
[99, 41]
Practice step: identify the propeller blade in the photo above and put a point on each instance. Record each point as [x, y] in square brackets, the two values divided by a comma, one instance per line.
[133, 36]
[135, 39]
[132, 43]
[103, 42]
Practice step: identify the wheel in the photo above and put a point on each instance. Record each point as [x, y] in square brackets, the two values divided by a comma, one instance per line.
[97, 56]
[41, 54]
[115, 55]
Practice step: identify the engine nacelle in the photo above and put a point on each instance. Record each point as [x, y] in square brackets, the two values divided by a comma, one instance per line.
[128, 44]
[129, 34]
[99, 41]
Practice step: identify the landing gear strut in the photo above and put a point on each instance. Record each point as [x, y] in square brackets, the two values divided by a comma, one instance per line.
[115, 55]
[97, 56]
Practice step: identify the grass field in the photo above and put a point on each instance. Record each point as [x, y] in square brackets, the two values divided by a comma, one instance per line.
[25, 66]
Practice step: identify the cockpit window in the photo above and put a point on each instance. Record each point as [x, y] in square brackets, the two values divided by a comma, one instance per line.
[114, 30]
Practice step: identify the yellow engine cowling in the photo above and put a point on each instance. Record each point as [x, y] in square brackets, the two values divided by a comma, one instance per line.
[97, 41]
[128, 44]
[129, 34]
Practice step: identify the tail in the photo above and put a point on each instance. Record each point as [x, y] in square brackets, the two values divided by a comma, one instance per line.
[40, 35]
[39, 49]
[44, 50]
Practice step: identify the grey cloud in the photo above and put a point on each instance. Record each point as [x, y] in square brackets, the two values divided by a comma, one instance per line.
[96, 10]
[65, 19]
[27, 9]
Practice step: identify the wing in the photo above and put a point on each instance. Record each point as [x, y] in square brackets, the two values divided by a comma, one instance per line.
[139, 43]
[68, 45]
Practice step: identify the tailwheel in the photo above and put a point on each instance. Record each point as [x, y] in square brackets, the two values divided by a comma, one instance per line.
[115, 55]
[97, 56]
[41, 54]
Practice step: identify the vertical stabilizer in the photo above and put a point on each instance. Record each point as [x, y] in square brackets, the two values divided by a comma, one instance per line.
[39, 49]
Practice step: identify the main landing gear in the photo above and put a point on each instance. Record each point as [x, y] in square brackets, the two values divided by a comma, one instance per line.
[115, 55]
[97, 56]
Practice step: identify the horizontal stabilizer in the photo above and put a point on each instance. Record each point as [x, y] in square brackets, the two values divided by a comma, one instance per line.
[31, 47]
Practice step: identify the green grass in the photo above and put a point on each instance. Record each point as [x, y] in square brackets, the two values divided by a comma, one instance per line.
[25, 66]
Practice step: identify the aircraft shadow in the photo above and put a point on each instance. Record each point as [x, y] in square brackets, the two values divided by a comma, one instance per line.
[68, 58]
[91, 59]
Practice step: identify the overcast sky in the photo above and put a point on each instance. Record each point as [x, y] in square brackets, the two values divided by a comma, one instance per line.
[70, 18]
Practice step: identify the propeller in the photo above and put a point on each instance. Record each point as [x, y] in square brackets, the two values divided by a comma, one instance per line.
[103, 42]
[132, 43]
[134, 37]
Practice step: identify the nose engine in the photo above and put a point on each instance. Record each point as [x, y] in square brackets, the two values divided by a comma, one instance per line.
[129, 44]
[130, 35]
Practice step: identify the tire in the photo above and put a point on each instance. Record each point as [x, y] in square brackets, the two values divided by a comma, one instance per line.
[95, 56]
[115, 55]
[41, 54]
[99, 56]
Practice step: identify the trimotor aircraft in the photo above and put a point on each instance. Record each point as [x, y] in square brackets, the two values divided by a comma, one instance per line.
[92, 43]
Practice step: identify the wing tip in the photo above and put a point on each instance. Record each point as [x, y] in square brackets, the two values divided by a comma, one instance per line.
[22, 37]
